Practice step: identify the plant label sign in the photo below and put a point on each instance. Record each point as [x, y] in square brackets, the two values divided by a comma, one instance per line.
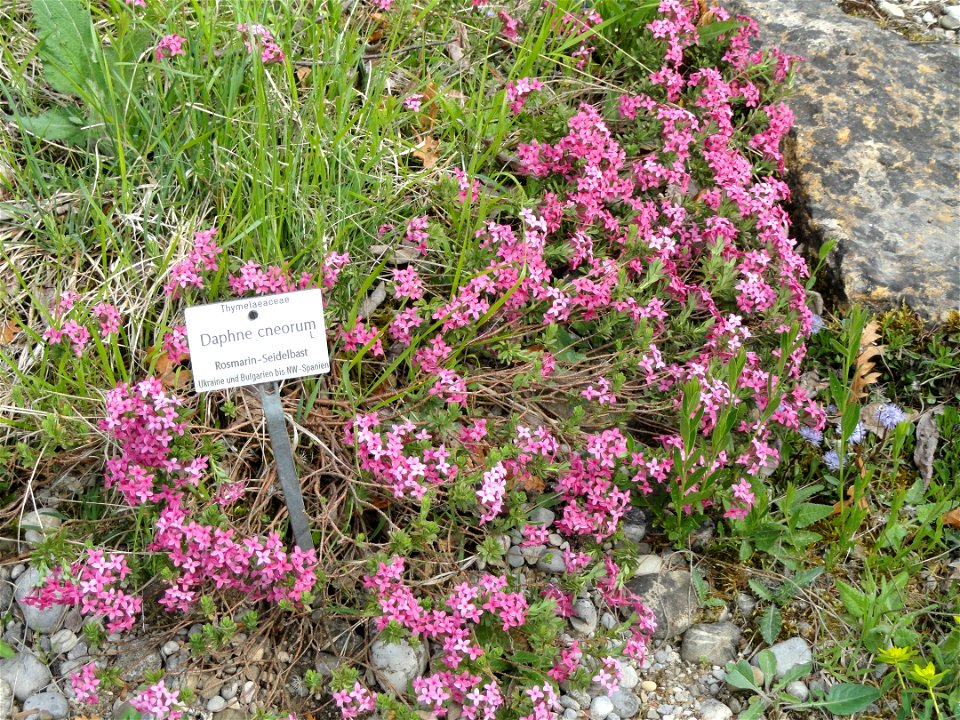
[257, 340]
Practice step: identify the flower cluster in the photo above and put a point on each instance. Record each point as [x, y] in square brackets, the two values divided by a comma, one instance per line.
[258, 37]
[168, 47]
[69, 328]
[85, 683]
[94, 585]
[203, 257]
[160, 702]
[518, 91]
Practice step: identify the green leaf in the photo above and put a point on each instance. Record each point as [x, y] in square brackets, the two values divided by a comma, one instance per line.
[55, 125]
[853, 600]
[848, 698]
[6, 651]
[809, 513]
[760, 590]
[754, 710]
[709, 32]
[69, 45]
[768, 664]
[806, 577]
[770, 625]
[795, 673]
[740, 675]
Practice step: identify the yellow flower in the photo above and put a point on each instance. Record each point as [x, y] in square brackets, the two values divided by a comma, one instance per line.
[927, 675]
[896, 655]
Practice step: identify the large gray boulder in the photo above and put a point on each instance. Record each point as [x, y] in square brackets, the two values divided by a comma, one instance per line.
[876, 156]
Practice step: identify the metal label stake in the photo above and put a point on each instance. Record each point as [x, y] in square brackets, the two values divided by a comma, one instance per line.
[286, 469]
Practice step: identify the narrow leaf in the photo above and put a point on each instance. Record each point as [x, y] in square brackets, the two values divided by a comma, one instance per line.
[55, 125]
[770, 625]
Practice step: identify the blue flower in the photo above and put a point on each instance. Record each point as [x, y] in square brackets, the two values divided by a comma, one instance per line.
[832, 460]
[890, 416]
[814, 437]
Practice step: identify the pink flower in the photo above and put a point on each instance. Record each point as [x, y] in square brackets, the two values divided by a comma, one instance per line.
[517, 92]
[109, 318]
[160, 702]
[136, 3]
[85, 684]
[169, 46]
[413, 102]
[255, 34]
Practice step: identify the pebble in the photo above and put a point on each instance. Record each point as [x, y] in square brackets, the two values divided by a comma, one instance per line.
[543, 516]
[648, 686]
[25, 674]
[43, 621]
[600, 707]
[584, 618]
[248, 693]
[570, 714]
[230, 690]
[169, 648]
[890, 9]
[711, 709]
[37, 525]
[552, 562]
[51, 701]
[649, 565]
[569, 703]
[515, 557]
[216, 704]
[6, 699]
[63, 641]
[789, 654]
[798, 690]
[532, 553]
[628, 677]
[712, 643]
[949, 22]
[397, 664]
[625, 703]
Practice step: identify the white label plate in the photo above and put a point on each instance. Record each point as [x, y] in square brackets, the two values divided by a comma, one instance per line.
[258, 339]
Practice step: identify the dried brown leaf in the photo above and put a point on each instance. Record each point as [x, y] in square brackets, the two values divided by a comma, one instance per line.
[926, 446]
[426, 151]
[863, 374]
[8, 331]
[952, 518]
[839, 506]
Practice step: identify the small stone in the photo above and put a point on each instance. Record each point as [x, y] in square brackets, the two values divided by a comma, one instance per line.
[555, 539]
[928, 18]
[24, 674]
[890, 9]
[789, 654]
[169, 648]
[230, 690]
[569, 703]
[625, 703]
[608, 621]
[43, 621]
[52, 702]
[949, 22]
[397, 664]
[63, 641]
[216, 703]
[515, 557]
[710, 643]
[543, 516]
[714, 710]
[326, 664]
[248, 693]
[584, 618]
[648, 565]
[600, 707]
[746, 604]
[135, 663]
[570, 714]
[38, 525]
[552, 562]
[6, 700]
[613, 716]
[798, 690]
[628, 678]
[177, 662]
[532, 553]
[648, 686]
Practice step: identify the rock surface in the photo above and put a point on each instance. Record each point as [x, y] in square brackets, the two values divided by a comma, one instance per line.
[875, 158]
[396, 665]
[672, 599]
[711, 643]
[789, 654]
